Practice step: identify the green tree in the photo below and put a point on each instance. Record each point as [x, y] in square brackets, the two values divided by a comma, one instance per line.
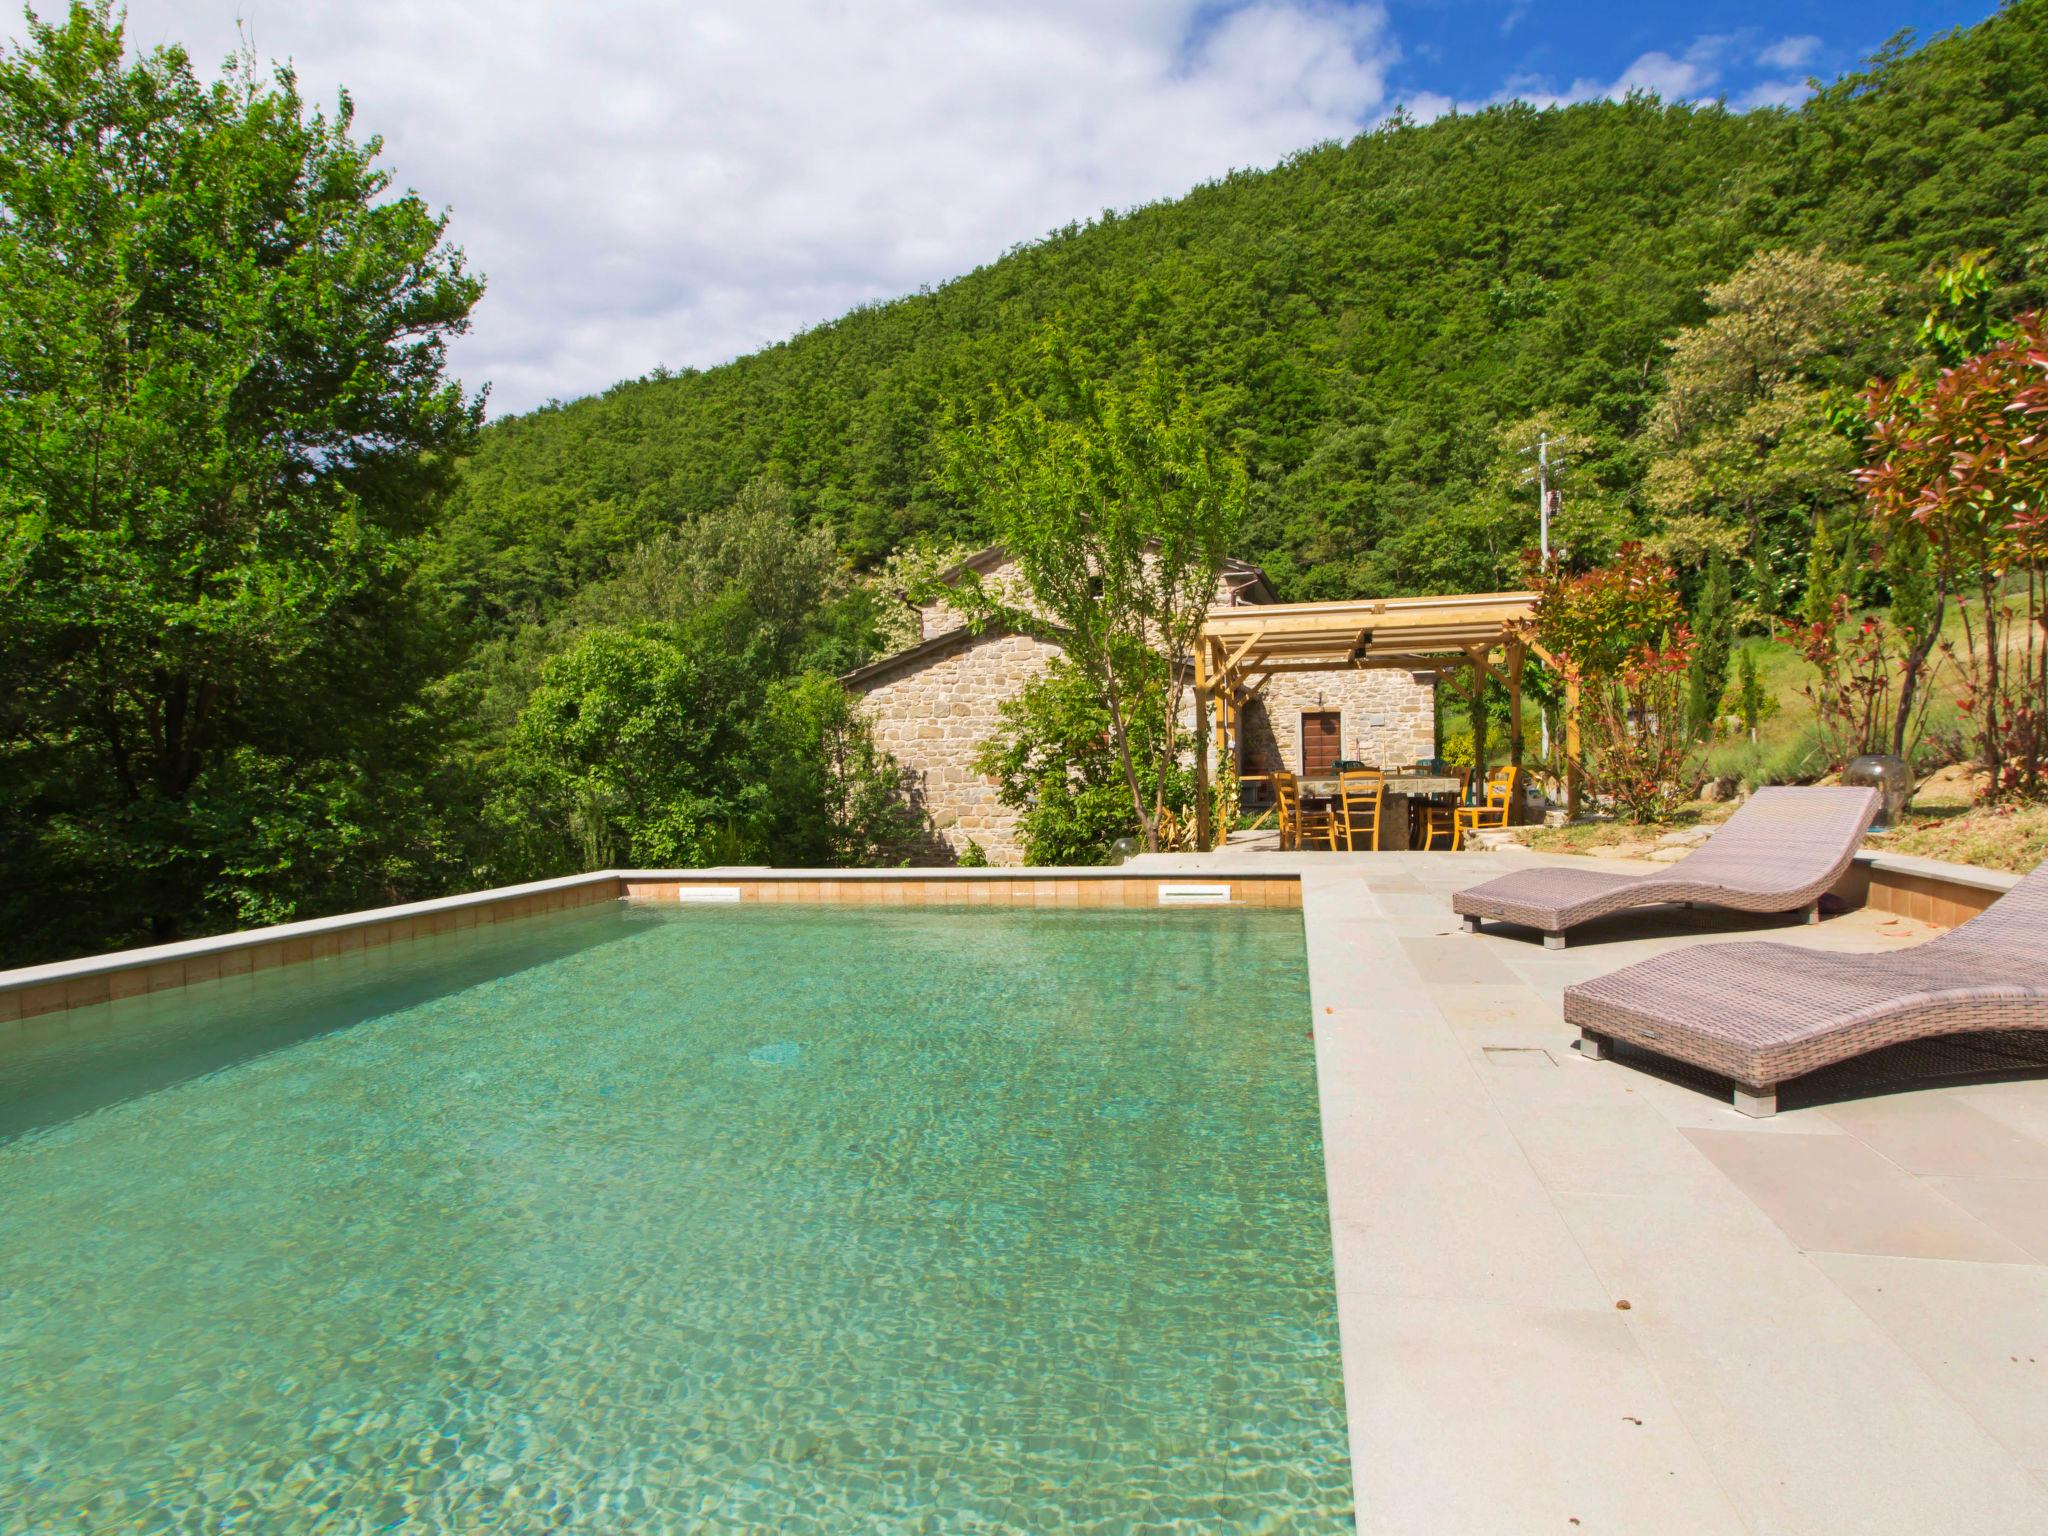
[1746, 435]
[1365, 315]
[1919, 602]
[1752, 701]
[1119, 507]
[668, 746]
[755, 546]
[1965, 321]
[624, 755]
[832, 796]
[224, 423]
[1713, 628]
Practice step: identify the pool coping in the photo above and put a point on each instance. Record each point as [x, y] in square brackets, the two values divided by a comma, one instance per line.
[37, 990]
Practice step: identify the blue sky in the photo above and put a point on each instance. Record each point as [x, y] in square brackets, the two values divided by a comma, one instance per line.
[1473, 49]
[676, 182]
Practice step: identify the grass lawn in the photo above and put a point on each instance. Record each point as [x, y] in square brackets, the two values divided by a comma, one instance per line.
[1993, 837]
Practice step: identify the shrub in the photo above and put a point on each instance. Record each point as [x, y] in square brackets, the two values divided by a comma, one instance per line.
[1618, 631]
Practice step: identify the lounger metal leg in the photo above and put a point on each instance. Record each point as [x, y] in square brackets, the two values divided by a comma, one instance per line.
[1594, 1047]
[1553, 941]
[1761, 1104]
[1469, 924]
[1813, 914]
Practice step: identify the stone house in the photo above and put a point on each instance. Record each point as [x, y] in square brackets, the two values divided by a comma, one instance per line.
[936, 702]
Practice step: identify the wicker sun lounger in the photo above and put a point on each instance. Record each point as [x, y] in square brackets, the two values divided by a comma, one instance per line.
[1780, 852]
[1761, 1013]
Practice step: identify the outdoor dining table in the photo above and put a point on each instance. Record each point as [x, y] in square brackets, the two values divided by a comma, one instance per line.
[1400, 790]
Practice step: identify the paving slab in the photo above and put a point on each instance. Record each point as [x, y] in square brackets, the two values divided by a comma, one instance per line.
[2019, 1102]
[1459, 1457]
[1834, 1194]
[1937, 1133]
[2015, 1208]
[1814, 1420]
[1979, 1330]
[1430, 1195]
[1455, 961]
[1607, 1147]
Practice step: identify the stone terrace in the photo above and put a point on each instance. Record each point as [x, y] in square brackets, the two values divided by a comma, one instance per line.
[1586, 1296]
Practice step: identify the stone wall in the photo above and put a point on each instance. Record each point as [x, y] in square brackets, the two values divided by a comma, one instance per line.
[1388, 717]
[1003, 581]
[932, 716]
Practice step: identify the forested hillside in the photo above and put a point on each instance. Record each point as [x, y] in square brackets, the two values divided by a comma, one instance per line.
[1369, 323]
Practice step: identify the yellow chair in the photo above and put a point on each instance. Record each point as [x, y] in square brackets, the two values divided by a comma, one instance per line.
[1494, 807]
[1438, 817]
[1296, 823]
[1361, 793]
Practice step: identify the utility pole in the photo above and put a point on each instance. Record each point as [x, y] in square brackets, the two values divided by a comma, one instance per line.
[1543, 509]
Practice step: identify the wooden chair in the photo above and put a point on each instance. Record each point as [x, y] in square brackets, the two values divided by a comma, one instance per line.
[1297, 824]
[1498, 801]
[1361, 793]
[1437, 817]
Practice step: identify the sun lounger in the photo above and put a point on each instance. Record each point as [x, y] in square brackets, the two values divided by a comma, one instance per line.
[1761, 1013]
[1780, 852]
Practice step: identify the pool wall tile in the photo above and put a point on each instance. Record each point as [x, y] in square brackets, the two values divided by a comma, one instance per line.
[110, 977]
[131, 983]
[85, 992]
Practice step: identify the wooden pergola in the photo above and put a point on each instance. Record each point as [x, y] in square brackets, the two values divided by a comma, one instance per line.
[1241, 647]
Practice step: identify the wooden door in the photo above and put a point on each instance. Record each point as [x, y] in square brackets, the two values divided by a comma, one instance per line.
[1322, 738]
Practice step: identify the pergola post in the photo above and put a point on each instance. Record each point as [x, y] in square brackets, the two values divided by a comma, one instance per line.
[1571, 746]
[1480, 675]
[1204, 833]
[1517, 654]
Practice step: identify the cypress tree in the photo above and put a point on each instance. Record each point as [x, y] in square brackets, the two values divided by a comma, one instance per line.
[1713, 639]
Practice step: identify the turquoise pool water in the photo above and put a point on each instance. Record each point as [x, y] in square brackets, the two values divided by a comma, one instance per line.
[643, 1219]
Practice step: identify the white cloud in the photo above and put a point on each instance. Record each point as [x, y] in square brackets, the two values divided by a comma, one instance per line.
[1428, 106]
[1789, 53]
[1774, 93]
[1690, 75]
[653, 183]
[1696, 74]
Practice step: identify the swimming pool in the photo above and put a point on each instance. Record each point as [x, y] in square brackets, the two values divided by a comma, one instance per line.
[796, 1219]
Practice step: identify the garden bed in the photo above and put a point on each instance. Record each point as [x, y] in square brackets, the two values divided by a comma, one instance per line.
[1942, 822]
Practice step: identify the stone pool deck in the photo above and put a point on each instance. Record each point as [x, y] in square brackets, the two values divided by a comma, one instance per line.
[1582, 1296]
